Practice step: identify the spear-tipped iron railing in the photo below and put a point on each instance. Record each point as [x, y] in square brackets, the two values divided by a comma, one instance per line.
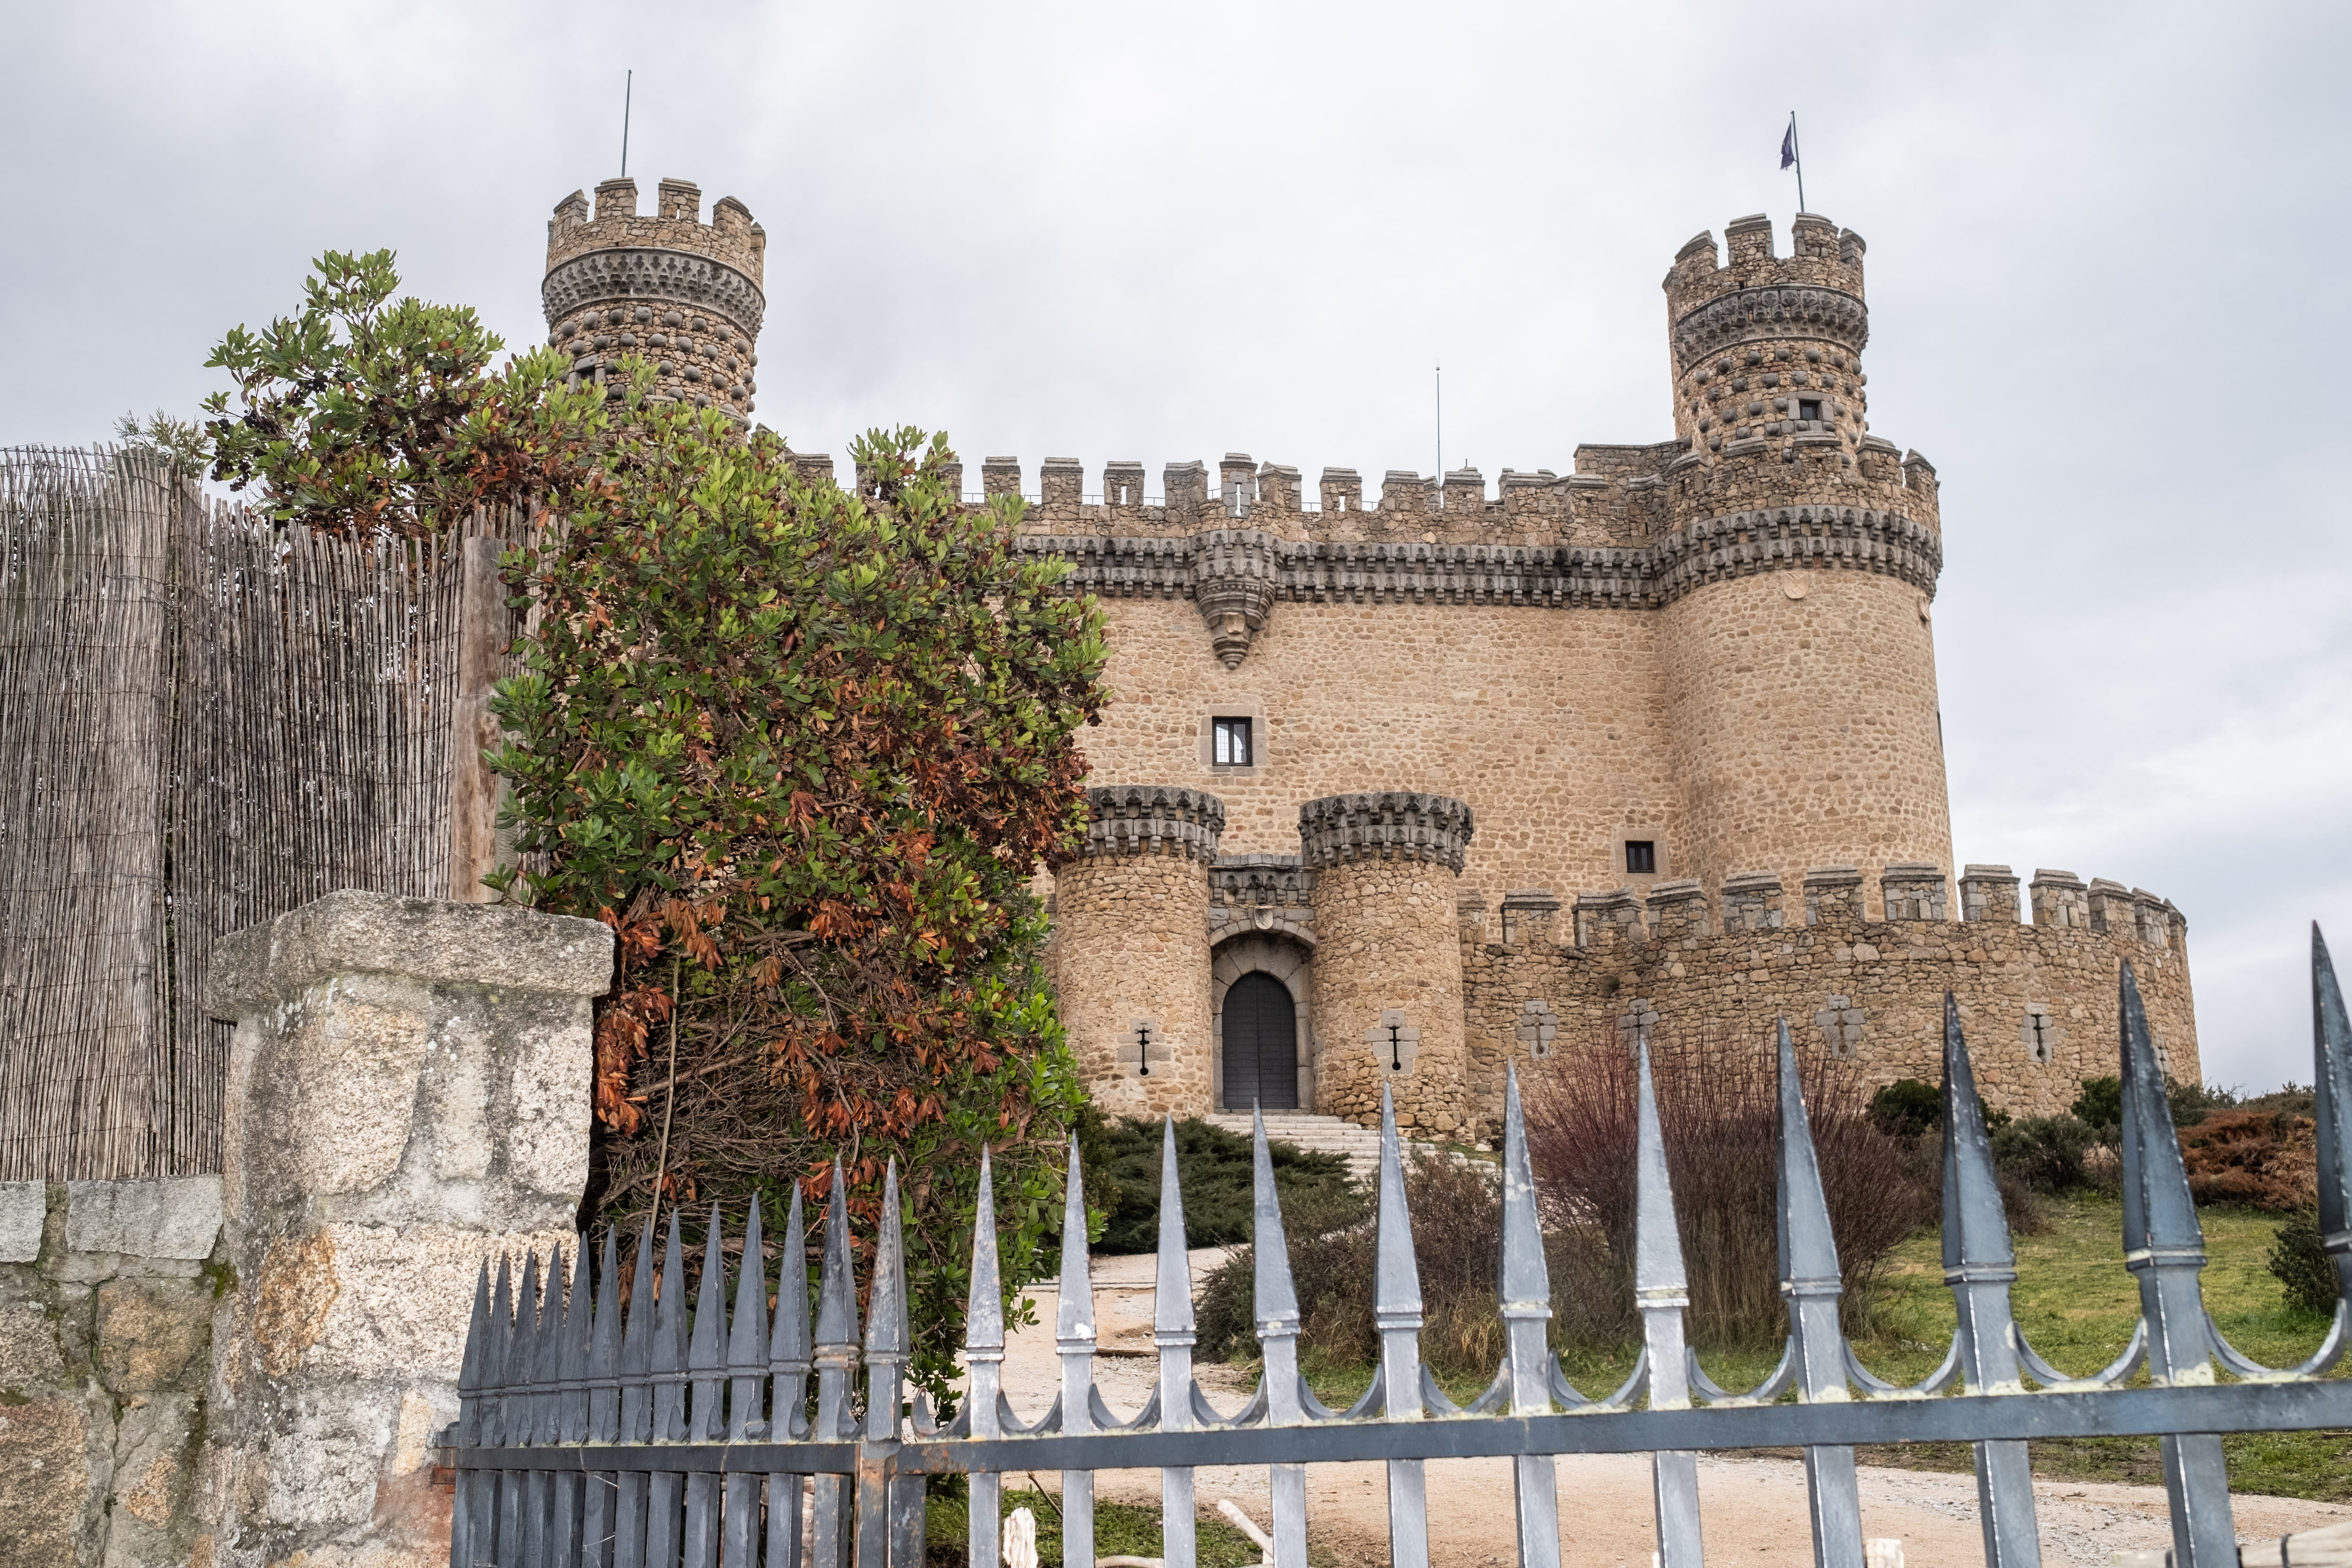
[670, 1438]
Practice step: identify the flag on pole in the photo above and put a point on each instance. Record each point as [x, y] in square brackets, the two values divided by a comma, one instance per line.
[1789, 143]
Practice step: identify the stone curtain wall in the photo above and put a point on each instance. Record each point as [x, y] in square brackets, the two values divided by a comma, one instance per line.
[1130, 949]
[1691, 967]
[108, 1291]
[1551, 725]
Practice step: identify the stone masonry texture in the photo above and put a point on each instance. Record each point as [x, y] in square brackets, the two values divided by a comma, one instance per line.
[407, 1098]
[1136, 905]
[108, 1293]
[1388, 957]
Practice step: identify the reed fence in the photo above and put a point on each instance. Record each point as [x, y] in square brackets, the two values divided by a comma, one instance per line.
[205, 722]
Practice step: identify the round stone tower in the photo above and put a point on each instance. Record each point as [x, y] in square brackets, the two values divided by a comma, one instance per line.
[684, 294]
[1799, 657]
[1131, 948]
[1388, 956]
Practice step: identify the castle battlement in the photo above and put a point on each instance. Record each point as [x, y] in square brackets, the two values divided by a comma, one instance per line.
[685, 295]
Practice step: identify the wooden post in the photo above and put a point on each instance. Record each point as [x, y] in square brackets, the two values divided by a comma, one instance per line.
[475, 792]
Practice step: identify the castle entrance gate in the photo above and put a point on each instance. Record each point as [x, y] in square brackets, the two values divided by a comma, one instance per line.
[1261, 1044]
[1259, 983]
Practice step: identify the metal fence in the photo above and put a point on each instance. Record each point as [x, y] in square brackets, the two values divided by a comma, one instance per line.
[689, 1437]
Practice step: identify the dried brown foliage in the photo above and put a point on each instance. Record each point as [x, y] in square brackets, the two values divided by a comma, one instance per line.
[2263, 1159]
[1719, 1107]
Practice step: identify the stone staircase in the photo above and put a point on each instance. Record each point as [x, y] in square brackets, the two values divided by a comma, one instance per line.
[1360, 1146]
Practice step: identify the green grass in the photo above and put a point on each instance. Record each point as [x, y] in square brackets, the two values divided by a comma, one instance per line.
[1121, 1529]
[2076, 1304]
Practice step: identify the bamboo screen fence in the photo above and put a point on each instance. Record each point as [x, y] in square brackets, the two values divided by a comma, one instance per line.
[203, 723]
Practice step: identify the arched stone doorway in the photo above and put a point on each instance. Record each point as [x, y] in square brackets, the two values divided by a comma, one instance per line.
[1257, 997]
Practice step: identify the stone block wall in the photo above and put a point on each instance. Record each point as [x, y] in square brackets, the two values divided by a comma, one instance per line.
[1387, 968]
[2038, 1002]
[408, 1097]
[1131, 948]
[108, 1294]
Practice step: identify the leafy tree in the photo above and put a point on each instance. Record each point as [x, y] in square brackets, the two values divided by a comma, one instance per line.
[178, 442]
[363, 414]
[804, 749]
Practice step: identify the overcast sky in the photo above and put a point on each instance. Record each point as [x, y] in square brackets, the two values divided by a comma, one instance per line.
[2108, 253]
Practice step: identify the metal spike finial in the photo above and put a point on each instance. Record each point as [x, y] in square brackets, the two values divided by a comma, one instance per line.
[1396, 1292]
[1073, 1316]
[1274, 1299]
[1976, 1230]
[1172, 1306]
[1526, 1297]
[669, 1339]
[983, 1352]
[1810, 1278]
[1074, 1344]
[1274, 1304]
[983, 1322]
[2165, 1247]
[747, 1343]
[1660, 1275]
[886, 1323]
[1662, 1291]
[2158, 1211]
[886, 1319]
[837, 1290]
[2331, 1078]
[1525, 1281]
[788, 1335]
[1980, 1266]
[470, 1377]
[832, 1529]
[1172, 1336]
[1808, 1247]
[710, 1302]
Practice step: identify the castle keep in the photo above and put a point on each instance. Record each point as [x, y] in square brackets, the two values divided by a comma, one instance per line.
[1398, 786]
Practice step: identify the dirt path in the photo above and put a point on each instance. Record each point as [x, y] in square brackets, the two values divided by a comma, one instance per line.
[1752, 1509]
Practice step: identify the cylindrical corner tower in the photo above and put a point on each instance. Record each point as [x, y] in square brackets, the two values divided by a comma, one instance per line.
[1388, 956]
[684, 294]
[1799, 657]
[1131, 939]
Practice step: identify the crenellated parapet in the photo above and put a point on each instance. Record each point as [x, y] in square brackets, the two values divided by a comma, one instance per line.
[1863, 983]
[1152, 819]
[684, 295]
[1392, 824]
[1766, 349]
[1237, 576]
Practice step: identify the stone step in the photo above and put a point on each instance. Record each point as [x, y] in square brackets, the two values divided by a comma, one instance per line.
[1360, 1146]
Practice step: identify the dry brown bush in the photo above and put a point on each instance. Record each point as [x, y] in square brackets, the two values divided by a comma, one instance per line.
[2263, 1159]
[1719, 1107]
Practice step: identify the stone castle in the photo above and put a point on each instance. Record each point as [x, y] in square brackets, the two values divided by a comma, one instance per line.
[1398, 790]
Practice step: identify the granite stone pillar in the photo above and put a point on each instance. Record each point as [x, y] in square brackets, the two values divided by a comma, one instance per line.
[1131, 948]
[1388, 959]
[408, 1095]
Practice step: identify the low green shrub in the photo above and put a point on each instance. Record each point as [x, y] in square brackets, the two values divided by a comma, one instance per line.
[2306, 1273]
[1216, 1170]
[2044, 1152]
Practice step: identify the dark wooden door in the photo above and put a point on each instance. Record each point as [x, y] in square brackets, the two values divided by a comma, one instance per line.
[1261, 1044]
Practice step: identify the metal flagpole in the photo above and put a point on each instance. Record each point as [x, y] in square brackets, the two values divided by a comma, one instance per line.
[1798, 149]
[1441, 438]
[628, 89]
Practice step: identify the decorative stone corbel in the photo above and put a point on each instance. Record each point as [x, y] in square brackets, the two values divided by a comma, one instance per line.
[1233, 587]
